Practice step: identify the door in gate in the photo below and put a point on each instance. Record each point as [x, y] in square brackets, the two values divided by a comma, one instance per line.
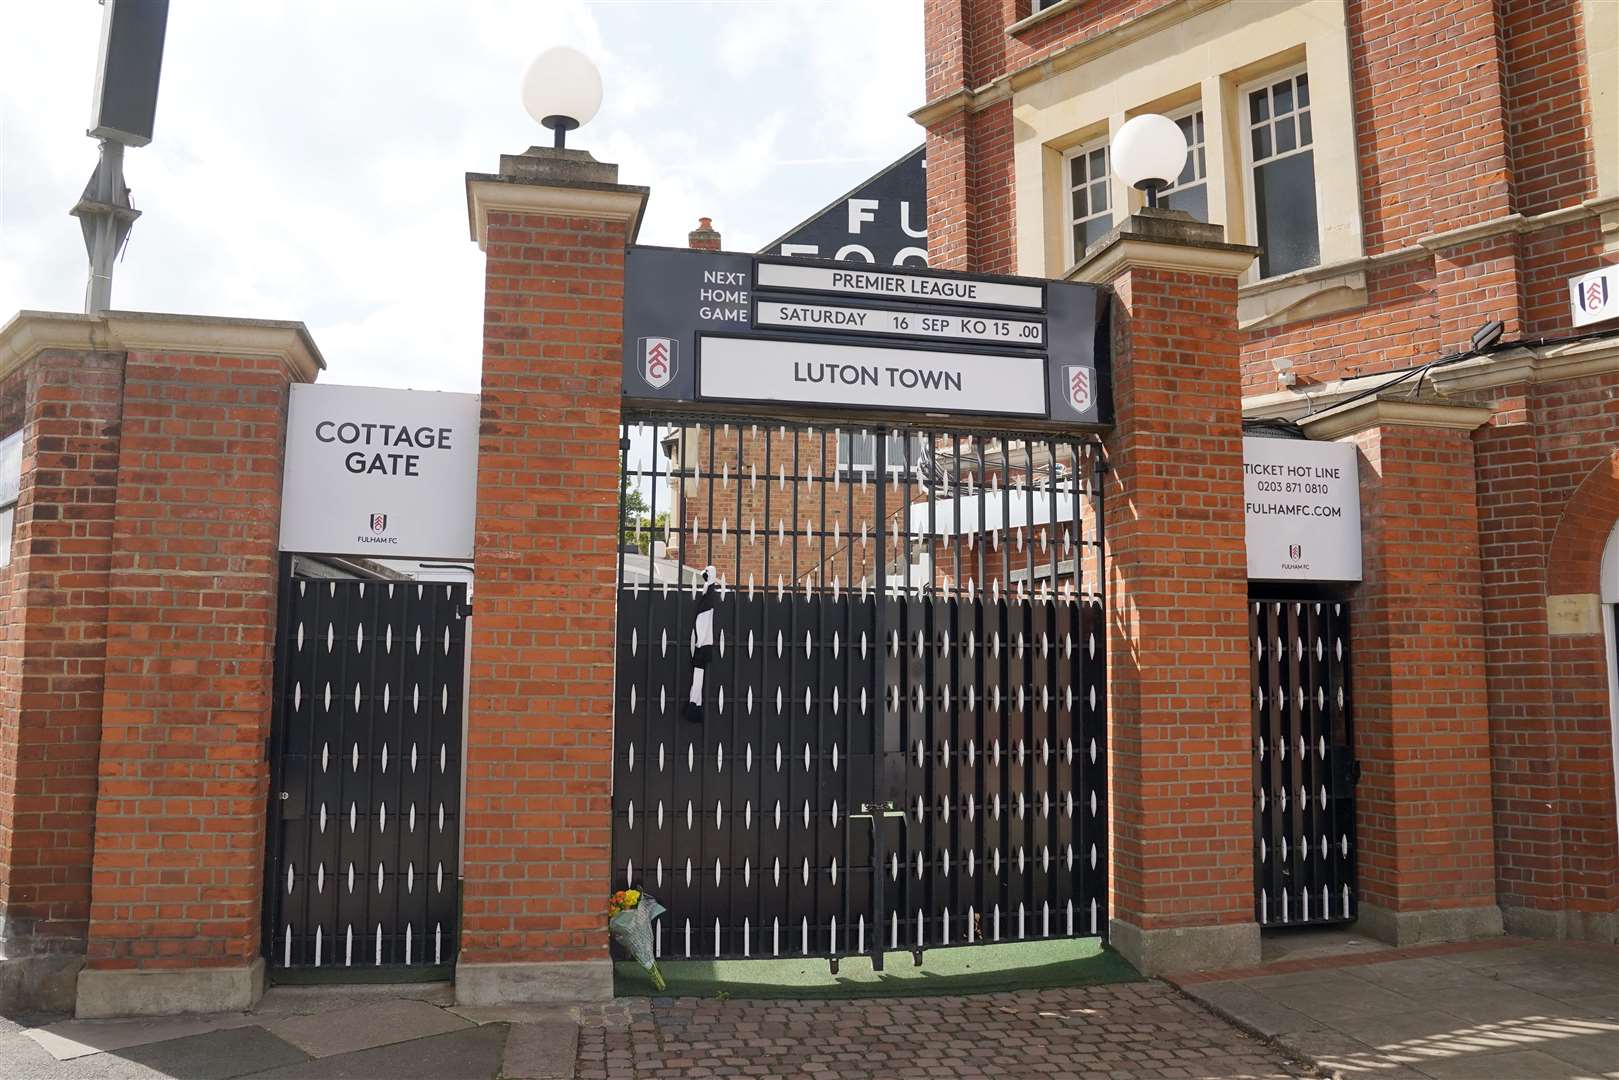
[1304, 769]
[901, 735]
[365, 775]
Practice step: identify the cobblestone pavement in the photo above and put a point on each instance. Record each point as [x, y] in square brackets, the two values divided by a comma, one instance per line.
[1117, 1031]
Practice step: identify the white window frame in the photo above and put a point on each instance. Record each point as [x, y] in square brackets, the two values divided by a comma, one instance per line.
[1193, 110]
[846, 466]
[1101, 142]
[9, 500]
[1245, 128]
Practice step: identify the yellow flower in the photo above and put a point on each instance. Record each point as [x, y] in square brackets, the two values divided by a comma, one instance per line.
[632, 897]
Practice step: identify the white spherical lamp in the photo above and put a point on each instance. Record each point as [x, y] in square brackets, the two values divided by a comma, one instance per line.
[562, 90]
[1149, 152]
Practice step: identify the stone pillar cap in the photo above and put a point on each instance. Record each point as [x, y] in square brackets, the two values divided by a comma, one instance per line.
[29, 333]
[1165, 240]
[542, 180]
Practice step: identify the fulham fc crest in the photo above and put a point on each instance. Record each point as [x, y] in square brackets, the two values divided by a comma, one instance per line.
[1081, 390]
[379, 523]
[1593, 295]
[660, 359]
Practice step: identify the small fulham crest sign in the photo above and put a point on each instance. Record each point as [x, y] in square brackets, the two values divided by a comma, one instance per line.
[660, 359]
[1081, 389]
[1594, 297]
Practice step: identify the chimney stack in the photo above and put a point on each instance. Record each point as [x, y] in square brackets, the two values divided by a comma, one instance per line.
[705, 237]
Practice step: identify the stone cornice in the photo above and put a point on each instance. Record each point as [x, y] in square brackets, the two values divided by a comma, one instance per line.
[30, 333]
[487, 193]
[1522, 364]
[1394, 411]
[1064, 59]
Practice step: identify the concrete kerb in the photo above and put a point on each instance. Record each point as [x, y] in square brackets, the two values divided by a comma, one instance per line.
[103, 993]
[1401, 928]
[1186, 948]
[537, 983]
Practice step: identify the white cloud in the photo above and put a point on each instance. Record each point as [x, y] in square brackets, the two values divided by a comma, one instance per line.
[309, 156]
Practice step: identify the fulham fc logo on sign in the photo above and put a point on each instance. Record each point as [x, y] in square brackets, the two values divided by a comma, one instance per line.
[1081, 391]
[660, 359]
[1294, 551]
[1594, 296]
[379, 523]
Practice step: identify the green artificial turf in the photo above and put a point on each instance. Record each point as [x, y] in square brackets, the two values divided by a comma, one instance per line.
[959, 970]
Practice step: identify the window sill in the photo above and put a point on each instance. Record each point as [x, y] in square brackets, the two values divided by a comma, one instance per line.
[1041, 16]
[1303, 294]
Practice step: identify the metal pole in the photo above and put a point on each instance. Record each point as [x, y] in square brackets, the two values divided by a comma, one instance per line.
[109, 191]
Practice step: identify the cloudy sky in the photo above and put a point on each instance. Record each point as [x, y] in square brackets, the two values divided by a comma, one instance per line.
[309, 155]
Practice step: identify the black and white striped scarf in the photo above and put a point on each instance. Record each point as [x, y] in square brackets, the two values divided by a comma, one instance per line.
[702, 644]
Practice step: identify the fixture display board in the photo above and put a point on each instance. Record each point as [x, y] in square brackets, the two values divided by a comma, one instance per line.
[384, 473]
[704, 326]
[1303, 510]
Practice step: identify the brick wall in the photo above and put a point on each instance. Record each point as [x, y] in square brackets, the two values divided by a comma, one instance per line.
[70, 403]
[1466, 111]
[539, 745]
[1180, 774]
[190, 637]
[1423, 805]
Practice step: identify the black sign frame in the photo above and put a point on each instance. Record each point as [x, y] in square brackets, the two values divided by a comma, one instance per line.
[662, 283]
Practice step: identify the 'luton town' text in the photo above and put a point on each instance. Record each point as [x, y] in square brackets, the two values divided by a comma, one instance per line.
[904, 378]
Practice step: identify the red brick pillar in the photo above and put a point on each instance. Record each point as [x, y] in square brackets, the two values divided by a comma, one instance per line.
[66, 404]
[177, 881]
[138, 650]
[537, 806]
[1182, 868]
[1424, 819]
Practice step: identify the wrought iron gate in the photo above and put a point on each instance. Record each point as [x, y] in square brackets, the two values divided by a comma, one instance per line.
[1304, 769]
[365, 775]
[902, 735]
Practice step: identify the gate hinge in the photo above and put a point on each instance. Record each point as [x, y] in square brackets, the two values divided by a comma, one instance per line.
[623, 444]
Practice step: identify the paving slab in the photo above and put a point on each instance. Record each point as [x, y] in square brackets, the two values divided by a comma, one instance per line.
[68, 1039]
[217, 1055]
[1493, 1003]
[545, 1051]
[1259, 1012]
[344, 1031]
[303, 1000]
[21, 1058]
[472, 1053]
[1388, 1029]
[1512, 1065]
[517, 1014]
[1503, 1012]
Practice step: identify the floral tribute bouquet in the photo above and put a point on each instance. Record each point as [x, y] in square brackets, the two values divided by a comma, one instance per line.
[629, 919]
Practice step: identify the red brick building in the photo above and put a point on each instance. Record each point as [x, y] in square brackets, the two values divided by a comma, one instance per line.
[1374, 181]
[1411, 171]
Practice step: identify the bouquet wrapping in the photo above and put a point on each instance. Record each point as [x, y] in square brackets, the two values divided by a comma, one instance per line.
[629, 920]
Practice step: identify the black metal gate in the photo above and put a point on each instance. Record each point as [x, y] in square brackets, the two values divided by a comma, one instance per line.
[1304, 769]
[365, 760]
[902, 736]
